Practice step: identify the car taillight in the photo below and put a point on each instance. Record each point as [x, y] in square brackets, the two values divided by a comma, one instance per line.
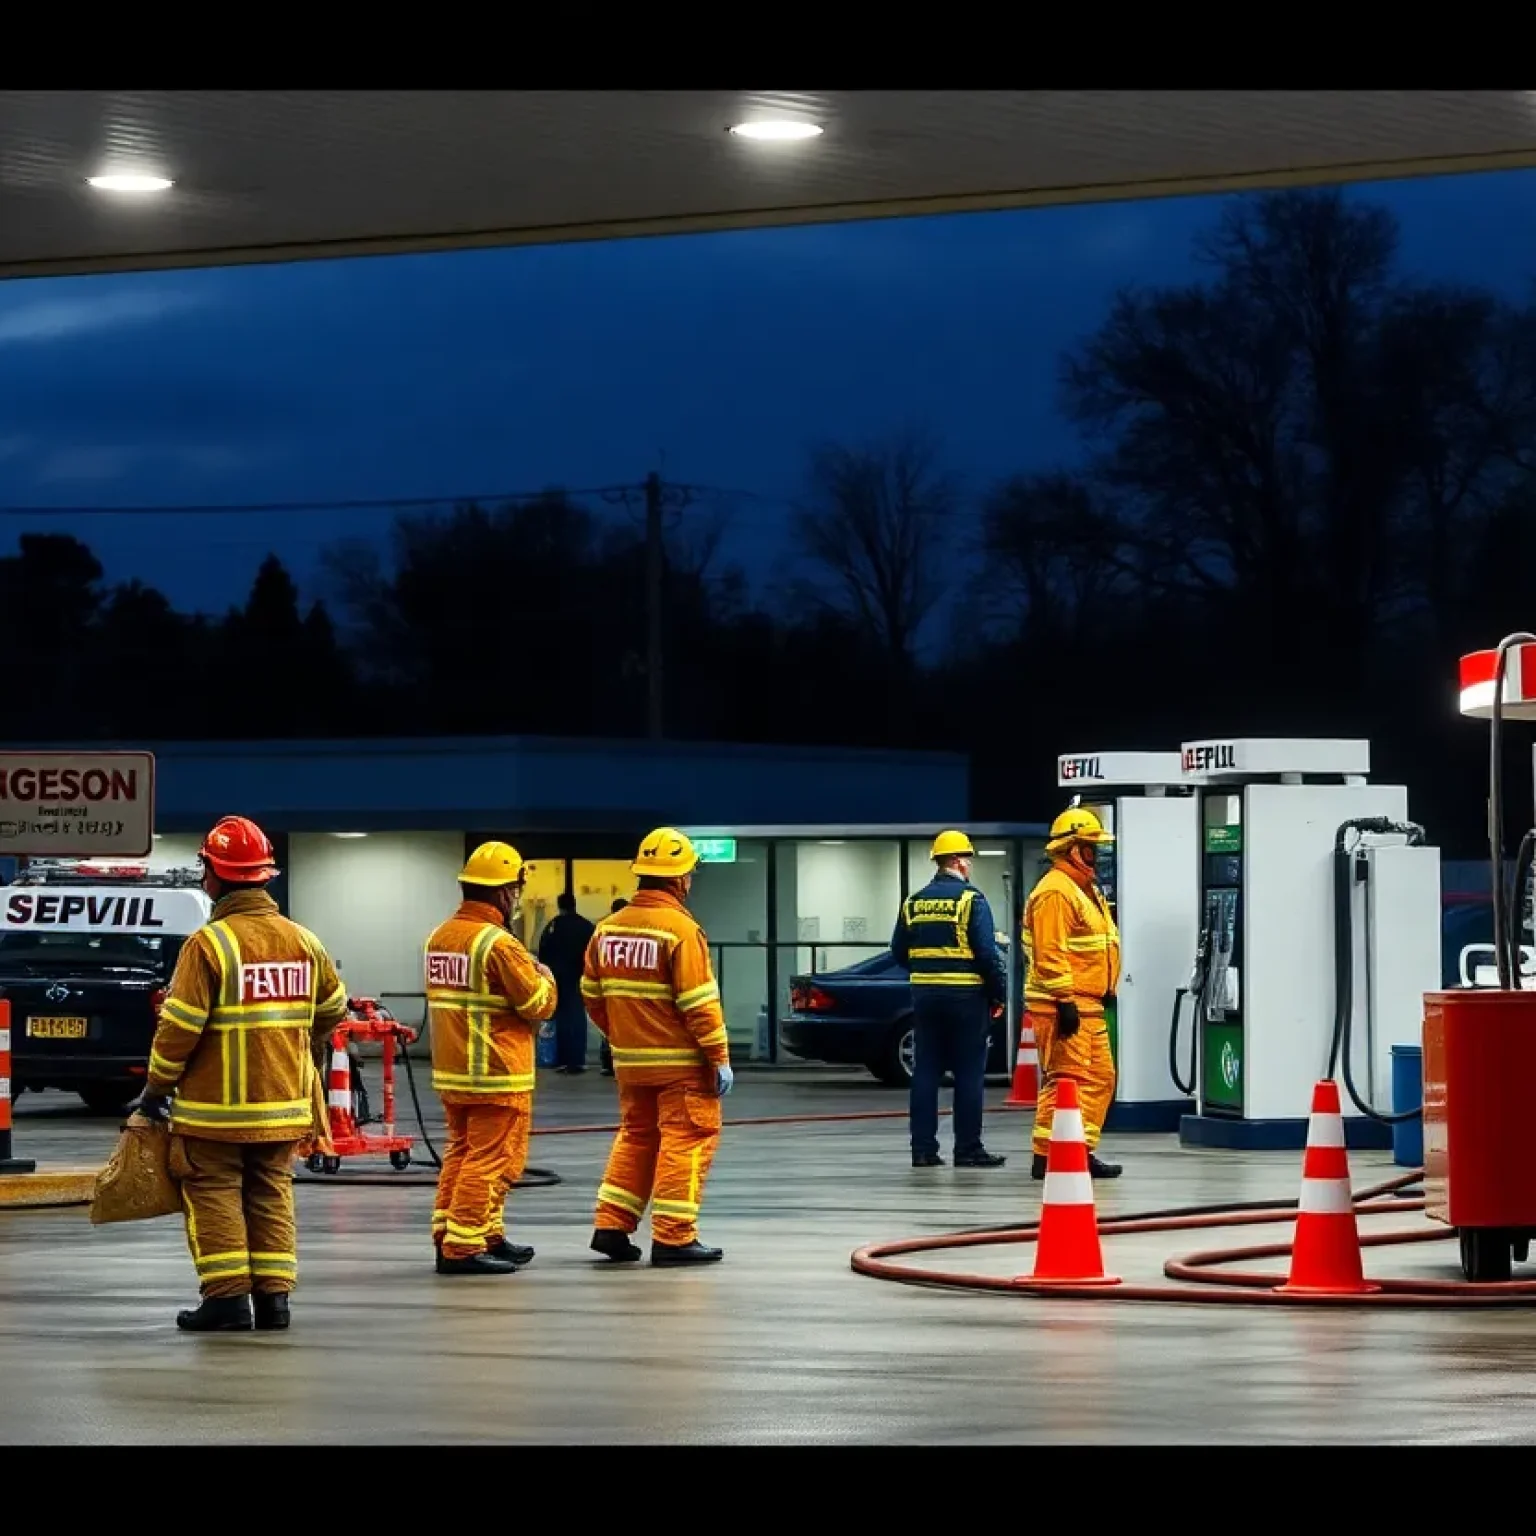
[811, 1000]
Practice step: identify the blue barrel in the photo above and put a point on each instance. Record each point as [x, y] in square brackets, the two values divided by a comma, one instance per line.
[1408, 1093]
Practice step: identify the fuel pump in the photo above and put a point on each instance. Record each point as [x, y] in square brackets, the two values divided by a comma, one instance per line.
[1265, 985]
[1148, 876]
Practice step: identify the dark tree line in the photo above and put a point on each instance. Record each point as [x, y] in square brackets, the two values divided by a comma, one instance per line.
[1299, 489]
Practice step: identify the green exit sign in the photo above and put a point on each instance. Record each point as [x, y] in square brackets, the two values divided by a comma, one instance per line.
[715, 850]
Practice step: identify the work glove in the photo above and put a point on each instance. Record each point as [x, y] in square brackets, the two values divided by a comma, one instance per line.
[152, 1106]
[724, 1077]
[1067, 1021]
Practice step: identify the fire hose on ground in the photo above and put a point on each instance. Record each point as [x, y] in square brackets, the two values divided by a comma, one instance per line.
[1200, 1281]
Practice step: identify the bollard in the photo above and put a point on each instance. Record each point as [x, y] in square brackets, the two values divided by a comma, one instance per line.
[8, 1164]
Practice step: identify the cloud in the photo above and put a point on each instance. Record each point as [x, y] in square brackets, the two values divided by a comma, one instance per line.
[53, 319]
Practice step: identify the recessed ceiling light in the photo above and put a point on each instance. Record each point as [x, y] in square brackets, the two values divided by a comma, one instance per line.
[129, 183]
[349, 834]
[776, 128]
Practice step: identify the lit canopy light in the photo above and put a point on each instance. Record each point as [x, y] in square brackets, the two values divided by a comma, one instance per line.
[780, 129]
[128, 182]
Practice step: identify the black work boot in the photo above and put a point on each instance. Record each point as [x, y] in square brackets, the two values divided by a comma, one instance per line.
[271, 1311]
[217, 1314]
[513, 1253]
[980, 1158]
[1099, 1169]
[688, 1253]
[476, 1264]
[615, 1245]
[927, 1160]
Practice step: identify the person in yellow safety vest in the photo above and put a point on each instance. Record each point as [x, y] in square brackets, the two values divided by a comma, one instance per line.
[486, 997]
[233, 1070]
[650, 989]
[1072, 952]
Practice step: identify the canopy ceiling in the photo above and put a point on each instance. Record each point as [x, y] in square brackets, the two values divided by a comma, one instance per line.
[279, 175]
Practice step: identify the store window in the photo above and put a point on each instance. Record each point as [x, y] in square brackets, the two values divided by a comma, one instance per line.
[730, 900]
[838, 900]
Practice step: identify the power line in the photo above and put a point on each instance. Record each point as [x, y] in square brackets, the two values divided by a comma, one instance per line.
[609, 493]
[362, 504]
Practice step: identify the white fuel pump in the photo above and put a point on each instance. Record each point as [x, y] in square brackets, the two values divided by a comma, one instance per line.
[1151, 879]
[1320, 920]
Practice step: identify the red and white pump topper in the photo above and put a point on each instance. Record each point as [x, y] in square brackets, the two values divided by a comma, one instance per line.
[1519, 692]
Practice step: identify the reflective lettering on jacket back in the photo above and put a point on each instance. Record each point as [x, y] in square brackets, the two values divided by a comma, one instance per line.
[933, 908]
[276, 981]
[447, 969]
[629, 952]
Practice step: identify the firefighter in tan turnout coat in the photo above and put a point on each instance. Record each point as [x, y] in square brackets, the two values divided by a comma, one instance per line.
[234, 1071]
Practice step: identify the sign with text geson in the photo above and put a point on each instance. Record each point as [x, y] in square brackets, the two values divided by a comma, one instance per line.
[77, 805]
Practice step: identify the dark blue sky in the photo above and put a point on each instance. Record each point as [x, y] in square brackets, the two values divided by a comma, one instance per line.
[716, 358]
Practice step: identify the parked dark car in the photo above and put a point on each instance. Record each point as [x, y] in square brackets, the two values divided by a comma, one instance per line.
[862, 1016]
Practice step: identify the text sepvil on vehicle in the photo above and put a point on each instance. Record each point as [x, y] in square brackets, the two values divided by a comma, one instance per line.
[235, 1073]
[86, 951]
[650, 989]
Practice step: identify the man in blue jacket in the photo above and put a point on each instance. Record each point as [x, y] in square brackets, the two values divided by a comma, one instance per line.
[946, 939]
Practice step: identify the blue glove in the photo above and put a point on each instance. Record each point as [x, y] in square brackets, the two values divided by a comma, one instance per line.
[152, 1106]
[724, 1077]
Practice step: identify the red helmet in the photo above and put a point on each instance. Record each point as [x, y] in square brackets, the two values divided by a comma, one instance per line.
[238, 850]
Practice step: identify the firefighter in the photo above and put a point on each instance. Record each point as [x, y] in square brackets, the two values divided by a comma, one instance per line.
[1072, 949]
[946, 940]
[650, 990]
[233, 1070]
[486, 997]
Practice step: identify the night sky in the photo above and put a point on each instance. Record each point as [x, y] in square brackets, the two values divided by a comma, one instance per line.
[714, 358]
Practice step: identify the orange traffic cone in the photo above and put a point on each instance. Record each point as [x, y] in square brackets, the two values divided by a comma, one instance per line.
[339, 1099]
[1025, 1090]
[1325, 1254]
[1067, 1244]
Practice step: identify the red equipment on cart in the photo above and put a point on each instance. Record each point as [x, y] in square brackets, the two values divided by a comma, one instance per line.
[366, 1020]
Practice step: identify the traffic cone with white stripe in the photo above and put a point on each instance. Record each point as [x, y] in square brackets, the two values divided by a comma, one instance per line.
[339, 1099]
[1325, 1253]
[1067, 1244]
[1025, 1089]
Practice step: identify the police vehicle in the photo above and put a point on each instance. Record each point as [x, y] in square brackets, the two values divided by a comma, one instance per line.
[86, 954]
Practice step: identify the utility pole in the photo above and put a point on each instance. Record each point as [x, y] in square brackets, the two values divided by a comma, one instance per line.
[655, 573]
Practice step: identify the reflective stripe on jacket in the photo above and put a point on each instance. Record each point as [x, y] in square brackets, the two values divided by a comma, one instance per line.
[1071, 944]
[485, 997]
[945, 938]
[252, 997]
[650, 988]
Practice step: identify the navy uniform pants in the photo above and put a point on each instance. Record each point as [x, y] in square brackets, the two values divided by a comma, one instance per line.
[570, 1024]
[952, 1026]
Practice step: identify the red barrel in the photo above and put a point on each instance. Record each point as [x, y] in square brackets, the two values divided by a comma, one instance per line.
[1479, 1092]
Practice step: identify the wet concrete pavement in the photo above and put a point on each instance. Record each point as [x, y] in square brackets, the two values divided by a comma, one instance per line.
[782, 1343]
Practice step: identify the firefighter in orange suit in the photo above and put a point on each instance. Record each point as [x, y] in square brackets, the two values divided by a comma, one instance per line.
[233, 1070]
[486, 997]
[1072, 949]
[650, 989]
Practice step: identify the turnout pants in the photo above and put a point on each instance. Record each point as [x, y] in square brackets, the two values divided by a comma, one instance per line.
[238, 1201]
[668, 1133]
[486, 1153]
[1086, 1059]
[951, 1027]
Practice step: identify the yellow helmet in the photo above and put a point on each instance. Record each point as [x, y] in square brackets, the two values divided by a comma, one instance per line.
[666, 854]
[947, 844]
[1076, 824]
[492, 864]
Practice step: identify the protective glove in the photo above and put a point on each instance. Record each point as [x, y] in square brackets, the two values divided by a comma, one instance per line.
[724, 1077]
[1067, 1021]
[152, 1106]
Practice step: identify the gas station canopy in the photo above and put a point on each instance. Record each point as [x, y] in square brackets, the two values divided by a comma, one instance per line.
[262, 176]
